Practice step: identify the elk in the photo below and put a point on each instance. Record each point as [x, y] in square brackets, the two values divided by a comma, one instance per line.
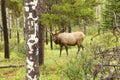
[68, 39]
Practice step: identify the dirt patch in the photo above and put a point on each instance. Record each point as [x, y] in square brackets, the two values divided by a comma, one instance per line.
[7, 73]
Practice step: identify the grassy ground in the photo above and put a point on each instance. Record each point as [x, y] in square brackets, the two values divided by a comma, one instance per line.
[53, 64]
[49, 71]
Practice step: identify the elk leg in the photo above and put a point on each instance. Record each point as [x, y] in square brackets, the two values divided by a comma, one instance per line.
[82, 47]
[66, 50]
[78, 49]
[61, 49]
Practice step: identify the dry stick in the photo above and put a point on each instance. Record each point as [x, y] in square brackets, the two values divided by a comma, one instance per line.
[115, 28]
[12, 66]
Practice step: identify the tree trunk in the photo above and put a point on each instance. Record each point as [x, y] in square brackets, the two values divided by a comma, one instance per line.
[41, 9]
[5, 30]
[31, 30]
[98, 25]
[84, 25]
[46, 37]
[10, 26]
[1, 35]
[9, 21]
[18, 33]
[41, 44]
[1, 32]
[69, 29]
[18, 25]
[51, 42]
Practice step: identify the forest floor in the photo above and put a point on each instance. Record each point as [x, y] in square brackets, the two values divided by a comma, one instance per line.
[49, 70]
[53, 64]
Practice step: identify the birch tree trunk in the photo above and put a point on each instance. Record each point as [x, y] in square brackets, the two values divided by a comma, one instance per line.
[31, 31]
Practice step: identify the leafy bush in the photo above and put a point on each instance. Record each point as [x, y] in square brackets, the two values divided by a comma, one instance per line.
[78, 68]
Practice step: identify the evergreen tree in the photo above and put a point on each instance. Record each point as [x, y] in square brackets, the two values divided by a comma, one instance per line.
[68, 12]
[108, 16]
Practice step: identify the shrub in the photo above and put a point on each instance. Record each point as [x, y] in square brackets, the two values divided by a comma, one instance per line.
[78, 68]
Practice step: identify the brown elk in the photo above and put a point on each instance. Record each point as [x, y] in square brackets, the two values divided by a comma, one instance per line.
[68, 39]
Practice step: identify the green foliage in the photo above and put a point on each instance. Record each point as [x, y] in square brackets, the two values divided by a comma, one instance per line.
[55, 67]
[66, 12]
[78, 68]
[48, 19]
[108, 17]
[16, 6]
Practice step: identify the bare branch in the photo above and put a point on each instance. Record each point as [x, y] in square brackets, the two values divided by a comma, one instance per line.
[12, 66]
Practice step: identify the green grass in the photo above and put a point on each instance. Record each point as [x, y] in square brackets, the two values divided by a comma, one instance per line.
[51, 70]
[53, 66]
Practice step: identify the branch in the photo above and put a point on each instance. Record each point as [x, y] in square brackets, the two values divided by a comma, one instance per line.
[12, 66]
[116, 25]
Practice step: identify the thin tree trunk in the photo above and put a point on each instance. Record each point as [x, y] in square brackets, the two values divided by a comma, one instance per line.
[18, 33]
[51, 42]
[41, 44]
[5, 30]
[84, 26]
[1, 35]
[9, 21]
[46, 37]
[10, 24]
[1, 31]
[98, 24]
[69, 29]
[31, 30]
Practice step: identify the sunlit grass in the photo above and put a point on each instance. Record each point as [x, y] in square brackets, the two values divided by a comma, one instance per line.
[53, 64]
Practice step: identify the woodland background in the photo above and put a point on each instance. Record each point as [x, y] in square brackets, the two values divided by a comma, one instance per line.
[98, 19]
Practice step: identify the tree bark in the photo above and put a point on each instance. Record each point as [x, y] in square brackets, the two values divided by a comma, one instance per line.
[31, 31]
[5, 30]
[41, 44]
[69, 29]
[84, 25]
[41, 32]
[18, 33]
[51, 42]
[46, 37]
[1, 32]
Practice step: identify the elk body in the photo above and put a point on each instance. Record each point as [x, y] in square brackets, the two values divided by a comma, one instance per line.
[68, 39]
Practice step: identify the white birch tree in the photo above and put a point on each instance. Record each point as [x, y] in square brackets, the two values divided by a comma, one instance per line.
[31, 31]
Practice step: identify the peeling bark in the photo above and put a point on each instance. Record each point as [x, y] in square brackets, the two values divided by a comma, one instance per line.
[31, 31]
